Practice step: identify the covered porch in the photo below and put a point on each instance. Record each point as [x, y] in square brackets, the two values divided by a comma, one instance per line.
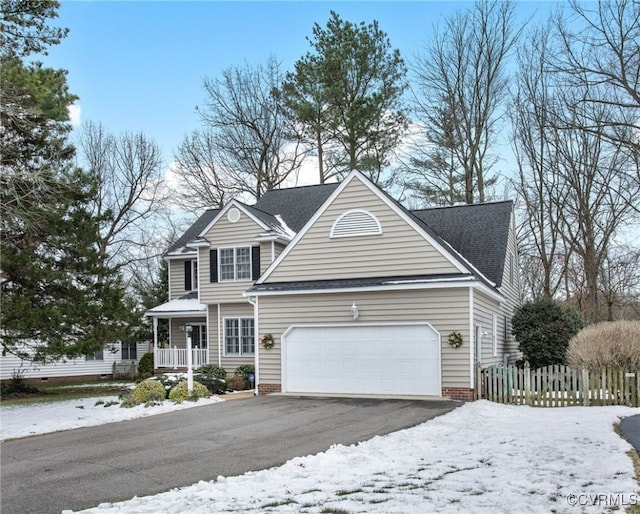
[187, 320]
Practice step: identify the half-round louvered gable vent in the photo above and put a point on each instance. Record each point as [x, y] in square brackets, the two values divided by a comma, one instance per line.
[356, 223]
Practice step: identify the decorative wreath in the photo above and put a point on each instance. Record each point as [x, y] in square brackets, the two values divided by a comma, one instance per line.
[455, 339]
[267, 341]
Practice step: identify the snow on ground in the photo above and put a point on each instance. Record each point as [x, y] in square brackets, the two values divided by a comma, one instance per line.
[41, 418]
[481, 457]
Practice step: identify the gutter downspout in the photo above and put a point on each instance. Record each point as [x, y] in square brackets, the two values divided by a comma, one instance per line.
[219, 339]
[253, 300]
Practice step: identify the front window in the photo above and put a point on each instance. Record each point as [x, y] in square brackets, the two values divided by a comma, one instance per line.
[129, 352]
[235, 263]
[239, 336]
[194, 275]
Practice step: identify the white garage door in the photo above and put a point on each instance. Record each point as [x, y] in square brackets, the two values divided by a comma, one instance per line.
[362, 359]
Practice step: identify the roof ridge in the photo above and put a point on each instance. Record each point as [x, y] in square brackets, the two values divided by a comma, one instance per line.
[463, 205]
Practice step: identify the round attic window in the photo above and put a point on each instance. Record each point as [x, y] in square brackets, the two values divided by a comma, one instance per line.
[233, 215]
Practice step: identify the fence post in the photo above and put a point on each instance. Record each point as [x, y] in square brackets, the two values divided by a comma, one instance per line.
[527, 383]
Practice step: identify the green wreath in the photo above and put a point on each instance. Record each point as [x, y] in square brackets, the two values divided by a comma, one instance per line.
[455, 339]
[267, 341]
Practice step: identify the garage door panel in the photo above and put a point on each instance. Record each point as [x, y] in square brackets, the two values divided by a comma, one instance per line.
[362, 359]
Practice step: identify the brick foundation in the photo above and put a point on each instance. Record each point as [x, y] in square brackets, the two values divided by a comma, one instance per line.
[269, 388]
[459, 393]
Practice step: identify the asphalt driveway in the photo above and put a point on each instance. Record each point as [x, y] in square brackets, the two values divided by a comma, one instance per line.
[82, 468]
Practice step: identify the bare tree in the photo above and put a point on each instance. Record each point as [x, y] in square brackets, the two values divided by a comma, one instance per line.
[128, 173]
[600, 53]
[461, 84]
[538, 184]
[599, 195]
[204, 184]
[620, 281]
[249, 132]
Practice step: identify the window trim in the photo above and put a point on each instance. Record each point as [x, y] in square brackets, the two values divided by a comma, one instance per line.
[240, 352]
[495, 334]
[98, 356]
[355, 223]
[194, 274]
[235, 264]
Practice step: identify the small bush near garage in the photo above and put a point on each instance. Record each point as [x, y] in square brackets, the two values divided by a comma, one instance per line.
[213, 377]
[612, 344]
[543, 329]
[145, 366]
[148, 392]
[180, 393]
[245, 371]
[236, 383]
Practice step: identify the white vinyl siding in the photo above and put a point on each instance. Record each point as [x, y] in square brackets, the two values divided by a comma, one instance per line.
[10, 365]
[399, 251]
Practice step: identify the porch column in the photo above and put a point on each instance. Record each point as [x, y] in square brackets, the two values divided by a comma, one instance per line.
[155, 343]
[189, 329]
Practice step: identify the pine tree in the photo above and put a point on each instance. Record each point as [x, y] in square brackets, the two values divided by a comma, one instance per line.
[58, 299]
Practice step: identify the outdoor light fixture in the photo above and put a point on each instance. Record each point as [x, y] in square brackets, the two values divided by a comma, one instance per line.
[354, 311]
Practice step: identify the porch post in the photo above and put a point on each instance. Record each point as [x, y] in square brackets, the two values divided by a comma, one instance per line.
[155, 343]
[189, 329]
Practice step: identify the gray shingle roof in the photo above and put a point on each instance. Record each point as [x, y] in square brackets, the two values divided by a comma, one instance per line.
[193, 231]
[479, 232]
[295, 205]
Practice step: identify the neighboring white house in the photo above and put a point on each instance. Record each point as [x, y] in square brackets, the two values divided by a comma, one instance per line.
[97, 366]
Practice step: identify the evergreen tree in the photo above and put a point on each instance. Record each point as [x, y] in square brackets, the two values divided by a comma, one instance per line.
[58, 299]
[346, 94]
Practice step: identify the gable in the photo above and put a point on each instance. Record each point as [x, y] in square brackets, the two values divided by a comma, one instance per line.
[398, 249]
[233, 227]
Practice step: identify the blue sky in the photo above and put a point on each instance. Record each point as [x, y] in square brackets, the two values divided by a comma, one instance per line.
[139, 66]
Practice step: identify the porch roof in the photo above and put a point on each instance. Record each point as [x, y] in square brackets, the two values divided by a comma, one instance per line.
[184, 307]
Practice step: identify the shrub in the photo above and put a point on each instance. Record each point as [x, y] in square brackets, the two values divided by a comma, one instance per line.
[145, 366]
[613, 344]
[180, 393]
[236, 383]
[148, 392]
[543, 329]
[17, 386]
[212, 370]
[244, 371]
[168, 382]
[212, 377]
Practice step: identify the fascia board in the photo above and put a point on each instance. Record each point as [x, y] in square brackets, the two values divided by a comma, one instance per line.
[389, 287]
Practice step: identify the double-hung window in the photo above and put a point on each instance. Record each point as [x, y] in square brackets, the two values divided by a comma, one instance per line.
[129, 352]
[97, 356]
[239, 336]
[235, 263]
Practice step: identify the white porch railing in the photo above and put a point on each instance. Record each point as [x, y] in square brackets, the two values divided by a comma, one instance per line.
[177, 357]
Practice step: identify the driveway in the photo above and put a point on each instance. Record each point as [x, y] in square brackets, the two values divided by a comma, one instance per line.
[82, 468]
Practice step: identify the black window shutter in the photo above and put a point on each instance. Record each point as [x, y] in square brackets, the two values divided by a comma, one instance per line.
[255, 262]
[213, 265]
[187, 276]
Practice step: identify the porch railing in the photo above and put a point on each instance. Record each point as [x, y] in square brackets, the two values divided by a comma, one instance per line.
[177, 357]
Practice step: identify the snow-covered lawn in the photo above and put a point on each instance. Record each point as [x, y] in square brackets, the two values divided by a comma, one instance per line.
[482, 457]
